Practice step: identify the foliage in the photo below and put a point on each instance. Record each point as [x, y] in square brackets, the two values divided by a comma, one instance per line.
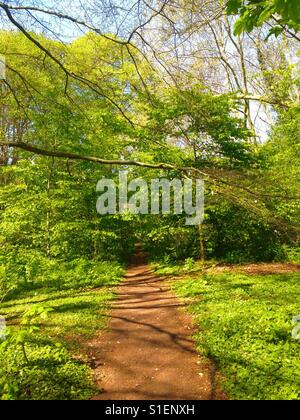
[292, 254]
[40, 273]
[203, 124]
[282, 151]
[255, 13]
[37, 348]
[39, 370]
[231, 234]
[246, 327]
[236, 235]
[75, 313]
[56, 252]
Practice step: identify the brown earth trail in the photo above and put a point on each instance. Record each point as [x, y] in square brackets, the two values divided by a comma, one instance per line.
[147, 352]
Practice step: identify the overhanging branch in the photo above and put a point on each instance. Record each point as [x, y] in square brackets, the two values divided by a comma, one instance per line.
[211, 178]
[73, 156]
[262, 99]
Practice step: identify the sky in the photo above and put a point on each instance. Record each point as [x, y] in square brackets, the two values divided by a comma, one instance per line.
[110, 16]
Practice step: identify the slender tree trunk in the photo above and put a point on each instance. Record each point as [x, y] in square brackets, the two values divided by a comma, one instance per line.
[49, 211]
[247, 108]
[201, 243]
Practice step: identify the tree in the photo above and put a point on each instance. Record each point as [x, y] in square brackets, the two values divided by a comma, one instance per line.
[281, 14]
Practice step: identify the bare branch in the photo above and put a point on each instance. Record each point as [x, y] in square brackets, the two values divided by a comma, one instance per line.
[263, 99]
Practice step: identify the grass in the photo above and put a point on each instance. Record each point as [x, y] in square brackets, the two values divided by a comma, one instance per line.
[74, 313]
[245, 326]
[55, 364]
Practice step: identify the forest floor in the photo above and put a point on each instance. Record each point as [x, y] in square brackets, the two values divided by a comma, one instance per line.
[148, 351]
[245, 317]
[154, 334]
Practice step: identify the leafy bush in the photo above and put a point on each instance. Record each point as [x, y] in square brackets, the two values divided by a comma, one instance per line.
[171, 242]
[189, 264]
[230, 233]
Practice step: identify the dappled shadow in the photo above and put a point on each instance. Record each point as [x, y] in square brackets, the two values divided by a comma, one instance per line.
[174, 338]
[145, 307]
[74, 307]
[148, 351]
[133, 299]
[142, 395]
[52, 296]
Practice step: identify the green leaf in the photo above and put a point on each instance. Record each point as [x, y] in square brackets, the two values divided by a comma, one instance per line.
[233, 6]
[276, 31]
[294, 10]
[265, 15]
[240, 26]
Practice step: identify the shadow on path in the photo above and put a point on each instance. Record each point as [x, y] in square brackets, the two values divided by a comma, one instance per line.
[148, 351]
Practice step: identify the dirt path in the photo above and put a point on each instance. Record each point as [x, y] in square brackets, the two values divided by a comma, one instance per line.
[147, 352]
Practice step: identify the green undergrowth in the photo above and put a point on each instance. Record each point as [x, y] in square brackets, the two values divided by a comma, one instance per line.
[246, 325]
[43, 356]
